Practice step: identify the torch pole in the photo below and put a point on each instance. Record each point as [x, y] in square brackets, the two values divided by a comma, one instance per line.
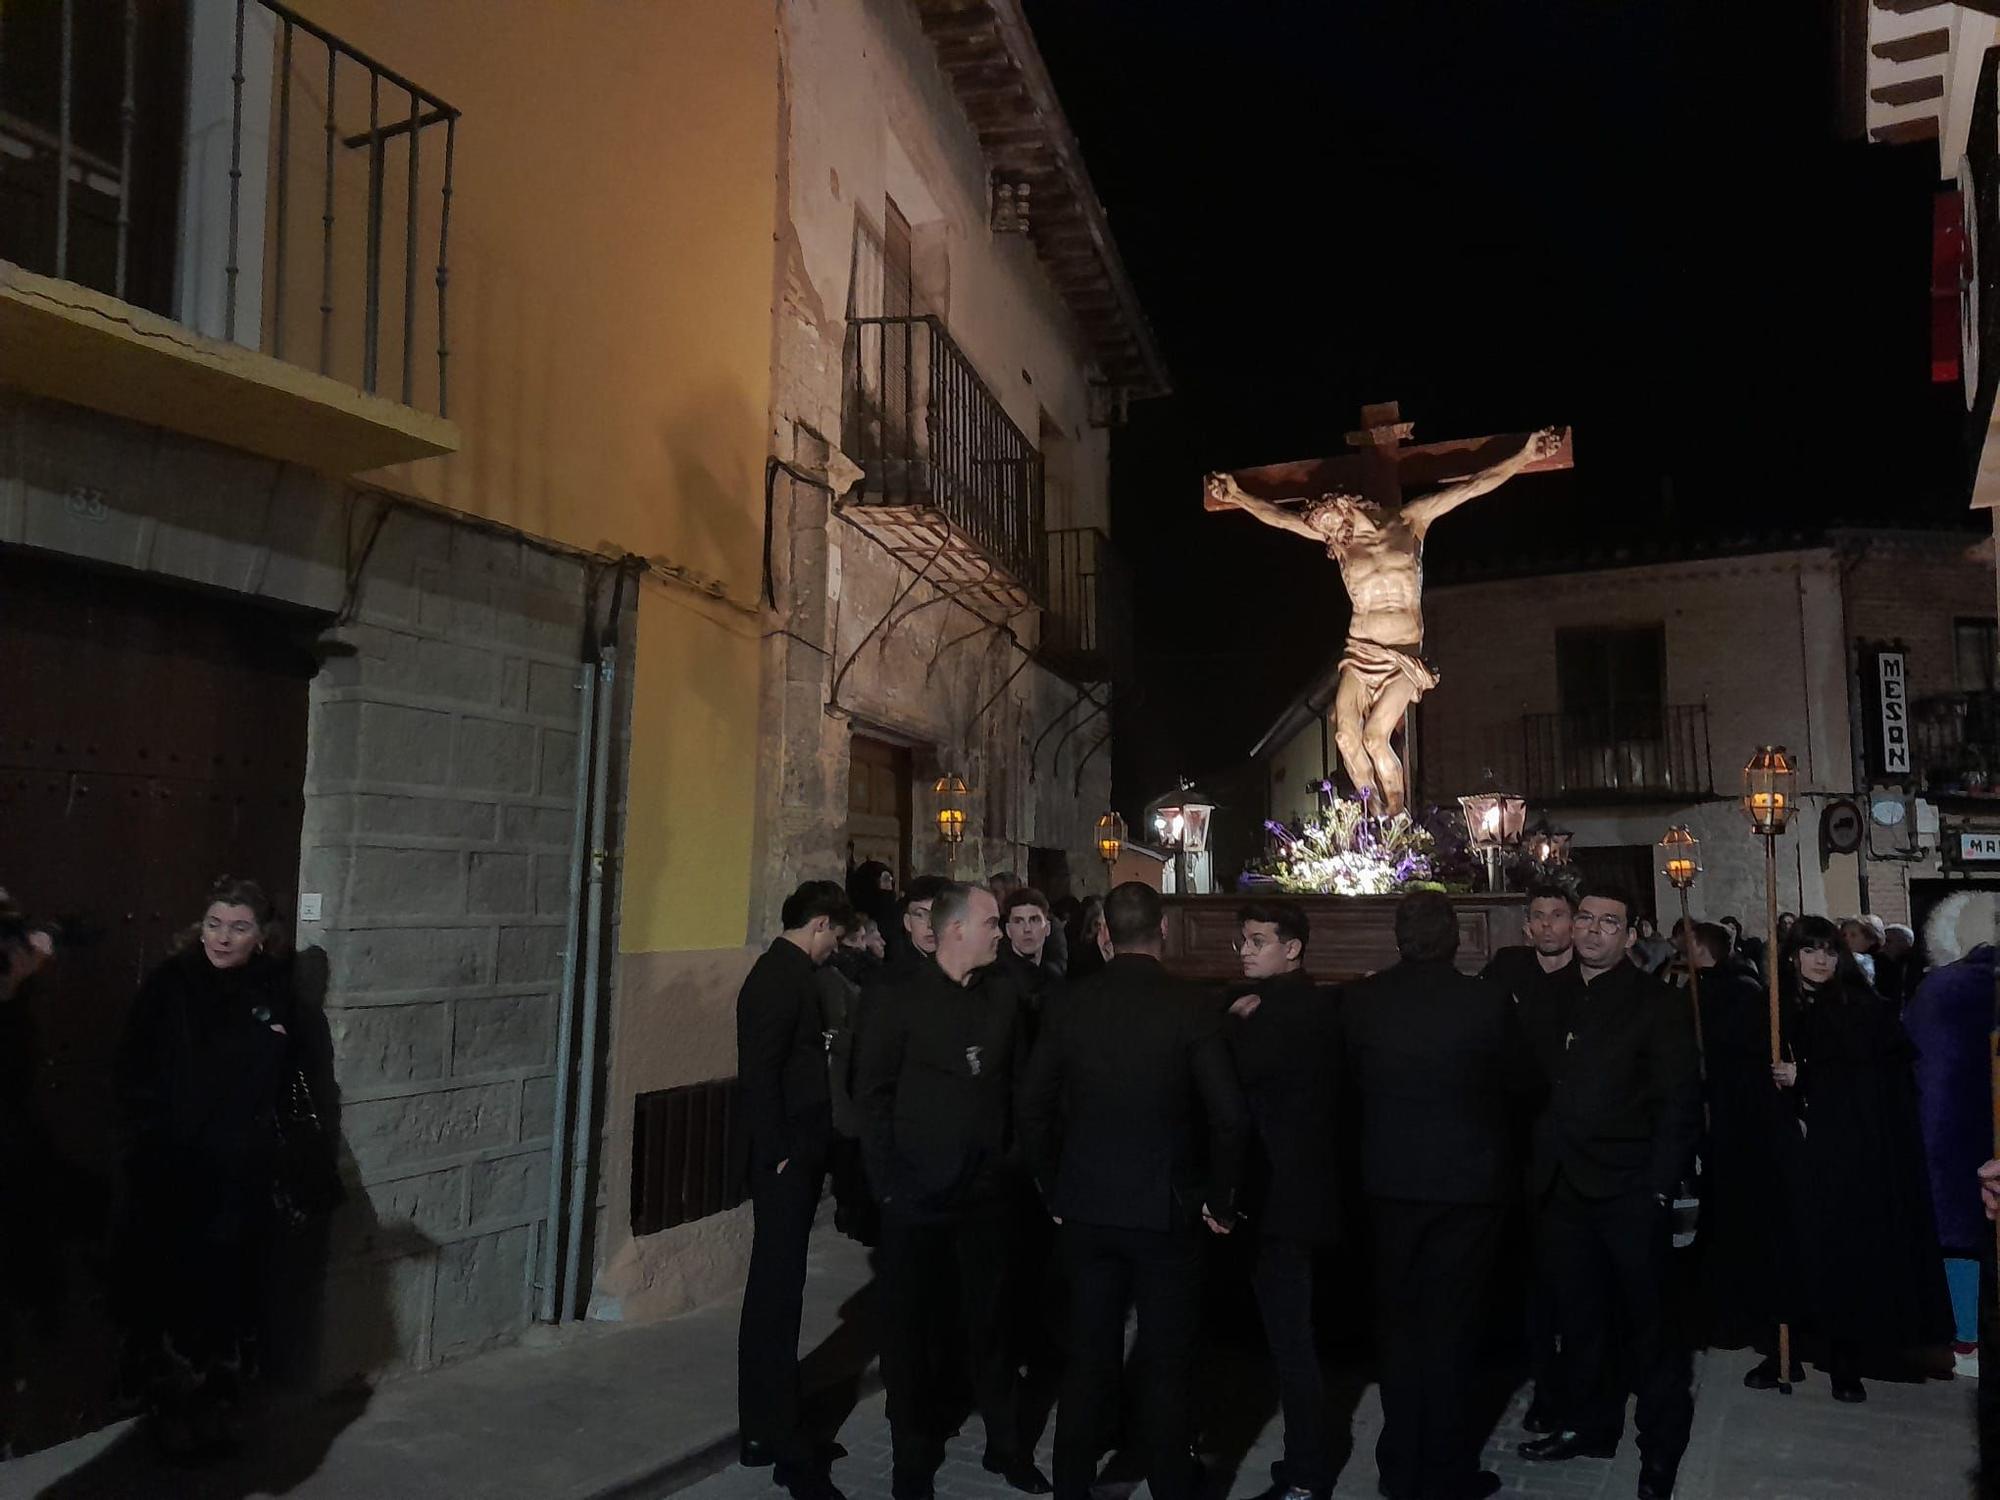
[1694, 978]
[1777, 1048]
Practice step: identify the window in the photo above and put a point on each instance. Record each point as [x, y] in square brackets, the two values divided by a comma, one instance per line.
[1612, 682]
[1975, 645]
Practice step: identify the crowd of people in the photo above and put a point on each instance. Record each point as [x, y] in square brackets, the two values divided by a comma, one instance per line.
[1039, 1143]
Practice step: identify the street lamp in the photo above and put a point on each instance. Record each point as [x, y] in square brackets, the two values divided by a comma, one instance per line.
[1770, 797]
[1680, 862]
[1493, 824]
[952, 795]
[1110, 841]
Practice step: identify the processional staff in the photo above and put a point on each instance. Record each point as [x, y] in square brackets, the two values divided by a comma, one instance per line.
[1770, 797]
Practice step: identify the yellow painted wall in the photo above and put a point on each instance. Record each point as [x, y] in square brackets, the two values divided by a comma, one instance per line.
[614, 202]
[614, 198]
[693, 781]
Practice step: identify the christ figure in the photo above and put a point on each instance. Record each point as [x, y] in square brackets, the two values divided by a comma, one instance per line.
[1380, 550]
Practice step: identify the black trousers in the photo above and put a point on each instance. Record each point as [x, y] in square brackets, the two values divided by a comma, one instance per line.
[1605, 1261]
[945, 1284]
[767, 1340]
[1432, 1264]
[1108, 1270]
[1283, 1277]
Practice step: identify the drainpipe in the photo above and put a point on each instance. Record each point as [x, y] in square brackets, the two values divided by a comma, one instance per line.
[1857, 766]
[579, 849]
[586, 1089]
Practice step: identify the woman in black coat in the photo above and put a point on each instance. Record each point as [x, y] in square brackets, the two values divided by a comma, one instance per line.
[210, 1079]
[1868, 1279]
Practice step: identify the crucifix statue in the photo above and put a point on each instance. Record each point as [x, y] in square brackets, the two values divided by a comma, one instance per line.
[1354, 507]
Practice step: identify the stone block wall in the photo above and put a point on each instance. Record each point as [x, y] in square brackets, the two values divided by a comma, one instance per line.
[439, 799]
[440, 796]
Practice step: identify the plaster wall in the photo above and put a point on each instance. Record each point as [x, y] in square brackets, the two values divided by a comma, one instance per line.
[868, 115]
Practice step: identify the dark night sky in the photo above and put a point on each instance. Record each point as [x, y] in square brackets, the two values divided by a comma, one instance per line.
[1616, 216]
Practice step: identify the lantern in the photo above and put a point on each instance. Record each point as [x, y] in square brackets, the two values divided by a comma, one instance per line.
[1770, 790]
[1110, 838]
[1680, 857]
[1547, 846]
[1493, 819]
[1493, 823]
[1770, 797]
[952, 794]
[1180, 824]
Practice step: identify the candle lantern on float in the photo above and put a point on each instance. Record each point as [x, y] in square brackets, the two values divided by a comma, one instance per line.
[1180, 825]
[952, 795]
[1493, 822]
[1545, 846]
[1110, 841]
[1770, 798]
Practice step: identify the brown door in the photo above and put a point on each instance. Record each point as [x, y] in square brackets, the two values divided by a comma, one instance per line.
[878, 805]
[152, 739]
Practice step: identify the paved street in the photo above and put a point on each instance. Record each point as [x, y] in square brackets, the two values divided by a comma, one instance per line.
[1908, 1441]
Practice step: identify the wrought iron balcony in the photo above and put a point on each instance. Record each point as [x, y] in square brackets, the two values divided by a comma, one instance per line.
[1606, 755]
[952, 486]
[1955, 743]
[234, 168]
[1087, 620]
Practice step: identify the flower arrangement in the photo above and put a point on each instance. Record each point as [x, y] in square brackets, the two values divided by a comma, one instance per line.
[1347, 849]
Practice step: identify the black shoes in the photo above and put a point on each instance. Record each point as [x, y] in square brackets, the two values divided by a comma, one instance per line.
[1559, 1446]
[805, 1481]
[1482, 1484]
[1020, 1474]
[755, 1453]
[1539, 1419]
[1656, 1478]
[1764, 1377]
[1848, 1388]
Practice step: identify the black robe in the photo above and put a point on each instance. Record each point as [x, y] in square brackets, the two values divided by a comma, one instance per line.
[1747, 1240]
[1816, 1207]
[1872, 1273]
[206, 1062]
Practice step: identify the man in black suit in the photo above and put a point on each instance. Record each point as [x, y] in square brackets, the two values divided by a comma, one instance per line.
[1439, 1062]
[936, 1083]
[1130, 1081]
[1547, 958]
[1284, 1036]
[1624, 1111]
[787, 1112]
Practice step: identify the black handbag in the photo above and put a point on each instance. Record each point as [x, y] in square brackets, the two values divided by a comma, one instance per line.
[304, 1186]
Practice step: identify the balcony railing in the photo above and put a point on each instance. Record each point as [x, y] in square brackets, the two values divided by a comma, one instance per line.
[1601, 755]
[233, 166]
[1955, 742]
[931, 437]
[1086, 622]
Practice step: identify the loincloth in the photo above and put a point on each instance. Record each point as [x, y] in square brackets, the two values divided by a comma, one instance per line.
[1377, 665]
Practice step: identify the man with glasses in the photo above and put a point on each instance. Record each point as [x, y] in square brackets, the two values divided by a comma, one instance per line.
[1610, 1146]
[1284, 1037]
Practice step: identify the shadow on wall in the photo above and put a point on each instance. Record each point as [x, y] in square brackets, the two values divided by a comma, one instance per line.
[328, 1321]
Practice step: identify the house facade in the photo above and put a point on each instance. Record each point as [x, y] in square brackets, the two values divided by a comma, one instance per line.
[528, 484]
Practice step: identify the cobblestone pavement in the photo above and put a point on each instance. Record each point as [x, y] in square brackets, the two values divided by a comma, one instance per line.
[1914, 1441]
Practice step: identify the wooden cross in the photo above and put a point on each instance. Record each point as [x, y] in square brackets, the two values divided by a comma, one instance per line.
[1384, 463]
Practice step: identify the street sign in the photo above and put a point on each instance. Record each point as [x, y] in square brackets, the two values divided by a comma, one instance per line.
[1978, 848]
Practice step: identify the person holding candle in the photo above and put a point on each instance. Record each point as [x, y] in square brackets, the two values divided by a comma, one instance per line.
[1868, 1281]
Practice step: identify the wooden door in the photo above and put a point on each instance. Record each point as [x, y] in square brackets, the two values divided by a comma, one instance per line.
[878, 805]
[152, 739]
